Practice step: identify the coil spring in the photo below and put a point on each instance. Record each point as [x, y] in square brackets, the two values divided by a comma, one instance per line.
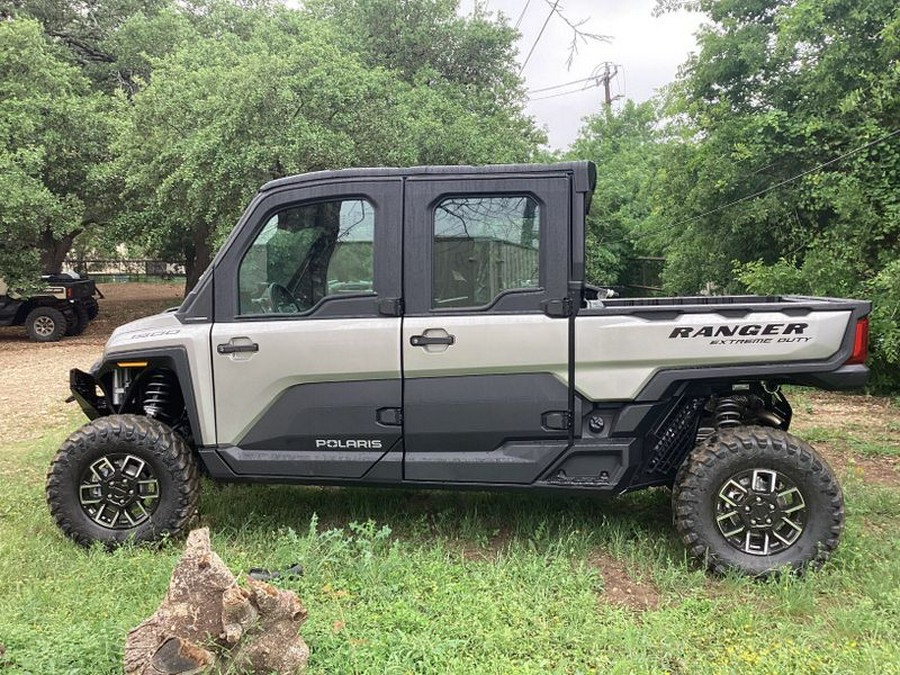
[729, 412]
[157, 395]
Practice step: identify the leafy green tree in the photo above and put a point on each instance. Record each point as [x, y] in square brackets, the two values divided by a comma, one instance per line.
[54, 153]
[628, 146]
[90, 34]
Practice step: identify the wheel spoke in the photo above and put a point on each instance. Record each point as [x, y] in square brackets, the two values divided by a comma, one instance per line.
[148, 488]
[764, 481]
[89, 493]
[740, 528]
[786, 542]
[792, 524]
[129, 461]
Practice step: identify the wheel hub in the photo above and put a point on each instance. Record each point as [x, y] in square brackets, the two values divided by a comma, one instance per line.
[760, 511]
[44, 326]
[119, 491]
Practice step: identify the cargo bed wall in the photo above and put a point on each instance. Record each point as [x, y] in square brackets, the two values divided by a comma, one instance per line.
[622, 350]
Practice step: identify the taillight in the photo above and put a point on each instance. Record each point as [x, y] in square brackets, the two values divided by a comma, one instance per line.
[860, 342]
[69, 293]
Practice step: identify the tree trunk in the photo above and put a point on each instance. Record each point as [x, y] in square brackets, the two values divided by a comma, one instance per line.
[54, 250]
[197, 256]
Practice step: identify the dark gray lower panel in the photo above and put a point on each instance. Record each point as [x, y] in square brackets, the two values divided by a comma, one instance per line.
[328, 429]
[488, 428]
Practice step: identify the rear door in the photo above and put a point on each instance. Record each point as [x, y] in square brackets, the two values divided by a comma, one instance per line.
[485, 363]
[305, 346]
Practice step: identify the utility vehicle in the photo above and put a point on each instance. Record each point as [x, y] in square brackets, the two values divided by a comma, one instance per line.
[431, 328]
[64, 306]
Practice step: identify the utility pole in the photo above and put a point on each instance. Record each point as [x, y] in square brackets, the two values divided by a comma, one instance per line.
[610, 70]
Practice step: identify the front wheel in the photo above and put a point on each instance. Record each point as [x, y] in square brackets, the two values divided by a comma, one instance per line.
[757, 500]
[122, 477]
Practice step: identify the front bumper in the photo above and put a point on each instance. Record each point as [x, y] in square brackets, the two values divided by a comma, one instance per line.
[84, 390]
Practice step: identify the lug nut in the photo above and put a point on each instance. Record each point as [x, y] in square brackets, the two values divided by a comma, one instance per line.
[768, 521]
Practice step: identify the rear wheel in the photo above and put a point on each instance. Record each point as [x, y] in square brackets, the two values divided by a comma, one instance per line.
[121, 477]
[92, 307]
[45, 324]
[756, 500]
[79, 320]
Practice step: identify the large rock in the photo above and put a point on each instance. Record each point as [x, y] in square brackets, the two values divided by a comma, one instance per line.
[208, 623]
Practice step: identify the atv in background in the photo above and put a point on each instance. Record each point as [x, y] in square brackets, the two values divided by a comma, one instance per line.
[65, 306]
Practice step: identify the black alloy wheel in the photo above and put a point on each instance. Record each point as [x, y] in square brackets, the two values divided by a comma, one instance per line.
[757, 500]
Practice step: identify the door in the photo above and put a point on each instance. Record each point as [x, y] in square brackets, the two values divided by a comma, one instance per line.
[486, 392]
[305, 345]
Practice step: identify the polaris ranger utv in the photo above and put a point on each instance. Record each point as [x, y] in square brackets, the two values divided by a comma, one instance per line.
[431, 328]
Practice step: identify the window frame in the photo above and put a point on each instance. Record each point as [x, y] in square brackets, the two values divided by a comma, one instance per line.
[424, 194]
[324, 299]
[384, 195]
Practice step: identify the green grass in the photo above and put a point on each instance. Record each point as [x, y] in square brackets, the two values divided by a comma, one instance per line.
[441, 582]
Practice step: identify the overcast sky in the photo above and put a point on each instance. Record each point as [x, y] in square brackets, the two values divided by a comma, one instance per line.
[647, 49]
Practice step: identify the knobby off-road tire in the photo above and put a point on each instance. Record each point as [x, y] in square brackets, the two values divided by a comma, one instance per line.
[79, 320]
[92, 307]
[123, 477]
[45, 324]
[740, 497]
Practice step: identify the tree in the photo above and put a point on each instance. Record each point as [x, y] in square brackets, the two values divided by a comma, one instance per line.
[91, 34]
[629, 147]
[53, 153]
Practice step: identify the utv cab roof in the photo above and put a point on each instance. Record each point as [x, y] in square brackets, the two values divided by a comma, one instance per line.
[585, 173]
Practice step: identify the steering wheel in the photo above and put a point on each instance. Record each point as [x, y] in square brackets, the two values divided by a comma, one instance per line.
[280, 300]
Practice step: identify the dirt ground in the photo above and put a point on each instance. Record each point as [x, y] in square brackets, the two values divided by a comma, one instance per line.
[34, 386]
[35, 380]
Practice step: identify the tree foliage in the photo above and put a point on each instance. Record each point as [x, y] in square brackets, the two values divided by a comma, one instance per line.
[629, 147]
[54, 151]
[207, 99]
[777, 90]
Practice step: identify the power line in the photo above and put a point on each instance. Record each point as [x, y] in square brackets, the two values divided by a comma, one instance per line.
[562, 93]
[564, 84]
[522, 15]
[538, 38]
[759, 193]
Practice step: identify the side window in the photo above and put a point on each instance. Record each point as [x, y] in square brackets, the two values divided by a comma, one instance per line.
[306, 253]
[483, 246]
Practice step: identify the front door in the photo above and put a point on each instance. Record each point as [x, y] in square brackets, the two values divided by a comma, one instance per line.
[305, 345]
[486, 394]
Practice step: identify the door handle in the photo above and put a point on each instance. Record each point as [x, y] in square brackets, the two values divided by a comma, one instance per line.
[425, 340]
[232, 348]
